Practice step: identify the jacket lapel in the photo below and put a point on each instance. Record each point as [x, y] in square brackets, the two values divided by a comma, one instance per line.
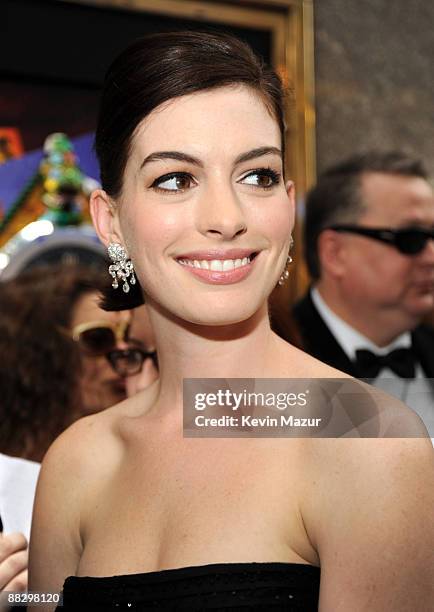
[318, 339]
[423, 347]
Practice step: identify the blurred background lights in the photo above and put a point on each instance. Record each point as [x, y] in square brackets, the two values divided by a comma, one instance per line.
[4, 260]
[34, 230]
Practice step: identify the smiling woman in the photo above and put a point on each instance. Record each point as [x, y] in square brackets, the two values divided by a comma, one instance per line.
[184, 214]
[193, 199]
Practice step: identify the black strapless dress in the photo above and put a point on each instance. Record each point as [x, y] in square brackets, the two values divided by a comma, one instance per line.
[222, 586]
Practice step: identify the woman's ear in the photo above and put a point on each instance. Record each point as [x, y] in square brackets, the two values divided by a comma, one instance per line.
[105, 217]
[290, 192]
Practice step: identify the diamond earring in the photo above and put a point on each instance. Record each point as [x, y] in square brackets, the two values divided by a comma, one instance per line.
[285, 274]
[121, 268]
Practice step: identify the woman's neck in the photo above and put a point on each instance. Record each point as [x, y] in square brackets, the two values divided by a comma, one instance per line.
[187, 350]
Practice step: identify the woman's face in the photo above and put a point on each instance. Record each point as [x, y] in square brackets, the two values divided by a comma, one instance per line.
[100, 386]
[203, 190]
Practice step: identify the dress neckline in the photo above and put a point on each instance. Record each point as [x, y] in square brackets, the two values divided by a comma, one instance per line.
[198, 570]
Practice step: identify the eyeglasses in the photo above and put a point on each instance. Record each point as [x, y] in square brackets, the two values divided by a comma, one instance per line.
[407, 240]
[129, 361]
[100, 337]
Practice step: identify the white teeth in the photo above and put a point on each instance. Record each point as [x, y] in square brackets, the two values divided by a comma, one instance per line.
[228, 264]
[216, 265]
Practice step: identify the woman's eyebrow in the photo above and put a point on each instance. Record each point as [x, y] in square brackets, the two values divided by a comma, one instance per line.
[179, 156]
[259, 152]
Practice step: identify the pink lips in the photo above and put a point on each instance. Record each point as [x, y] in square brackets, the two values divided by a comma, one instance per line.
[211, 254]
[217, 277]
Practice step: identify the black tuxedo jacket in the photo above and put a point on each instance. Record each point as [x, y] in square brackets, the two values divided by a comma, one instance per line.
[319, 341]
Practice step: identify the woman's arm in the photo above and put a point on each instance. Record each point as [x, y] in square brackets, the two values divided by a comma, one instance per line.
[371, 518]
[55, 544]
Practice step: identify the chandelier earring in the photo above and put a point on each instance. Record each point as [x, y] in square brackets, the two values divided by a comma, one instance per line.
[122, 267]
[285, 274]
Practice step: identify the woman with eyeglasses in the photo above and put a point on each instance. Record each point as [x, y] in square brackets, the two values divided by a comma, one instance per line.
[116, 358]
[64, 357]
[40, 369]
[131, 514]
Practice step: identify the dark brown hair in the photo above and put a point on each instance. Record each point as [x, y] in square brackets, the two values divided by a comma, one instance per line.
[337, 198]
[39, 375]
[158, 68]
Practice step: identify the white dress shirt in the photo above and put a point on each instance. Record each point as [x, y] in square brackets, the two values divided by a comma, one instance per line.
[416, 392]
[18, 479]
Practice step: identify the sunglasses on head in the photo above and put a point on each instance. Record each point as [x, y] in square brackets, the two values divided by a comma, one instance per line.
[407, 240]
[128, 362]
[99, 337]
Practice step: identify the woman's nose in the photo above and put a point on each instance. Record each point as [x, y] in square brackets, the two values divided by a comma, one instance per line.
[122, 329]
[221, 215]
[122, 344]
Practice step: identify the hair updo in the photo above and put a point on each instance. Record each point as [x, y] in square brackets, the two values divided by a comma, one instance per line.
[158, 68]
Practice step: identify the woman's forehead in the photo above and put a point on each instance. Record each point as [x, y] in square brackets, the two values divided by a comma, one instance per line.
[227, 117]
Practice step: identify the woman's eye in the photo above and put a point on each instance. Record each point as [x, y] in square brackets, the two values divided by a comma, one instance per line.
[173, 182]
[264, 178]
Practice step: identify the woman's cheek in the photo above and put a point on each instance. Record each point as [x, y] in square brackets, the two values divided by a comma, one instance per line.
[278, 220]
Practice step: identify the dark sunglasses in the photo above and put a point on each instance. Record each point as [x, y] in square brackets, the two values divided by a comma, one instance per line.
[408, 240]
[99, 337]
[128, 362]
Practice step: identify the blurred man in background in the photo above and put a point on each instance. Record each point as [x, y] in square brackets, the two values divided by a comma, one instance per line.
[369, 244]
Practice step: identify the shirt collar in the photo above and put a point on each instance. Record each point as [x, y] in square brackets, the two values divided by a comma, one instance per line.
[348, 337]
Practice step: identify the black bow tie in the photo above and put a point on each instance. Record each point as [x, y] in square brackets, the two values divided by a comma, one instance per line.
[401, 361]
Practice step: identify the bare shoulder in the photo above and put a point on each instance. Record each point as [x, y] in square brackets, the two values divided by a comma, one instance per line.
[95, 441]
[74, 463]
[374, 461]
[366, 503]
[368, 513]
[384, 456]
[78, 449]
[74, 473]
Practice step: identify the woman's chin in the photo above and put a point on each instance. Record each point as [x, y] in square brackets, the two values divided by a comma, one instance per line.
[211, 310]
[221, 317]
